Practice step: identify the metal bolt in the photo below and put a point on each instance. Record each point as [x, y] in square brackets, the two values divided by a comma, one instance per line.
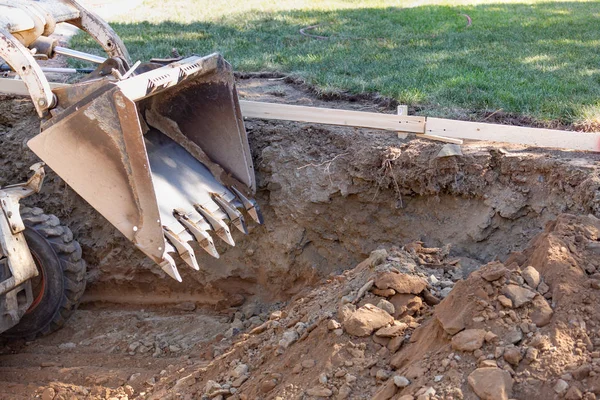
[42, 102]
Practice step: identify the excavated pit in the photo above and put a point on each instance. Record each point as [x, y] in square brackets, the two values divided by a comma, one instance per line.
[330, 196]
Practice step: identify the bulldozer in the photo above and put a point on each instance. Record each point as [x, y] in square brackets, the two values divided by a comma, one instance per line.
[158, 148]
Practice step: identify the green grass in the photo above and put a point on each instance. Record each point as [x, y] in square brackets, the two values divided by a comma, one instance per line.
[539, 59]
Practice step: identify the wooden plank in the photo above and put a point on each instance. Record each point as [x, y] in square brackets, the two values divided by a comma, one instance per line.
[328, 116]
[17, 86]
[514, 134]
[439, 138]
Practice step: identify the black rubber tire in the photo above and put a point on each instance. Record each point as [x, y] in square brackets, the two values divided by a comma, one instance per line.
[59, 257]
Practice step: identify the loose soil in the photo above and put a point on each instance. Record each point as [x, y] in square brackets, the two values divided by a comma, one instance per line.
[332, 196]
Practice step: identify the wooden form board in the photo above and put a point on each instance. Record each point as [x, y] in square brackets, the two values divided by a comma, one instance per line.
[328, 116]
[18, 87]
[433, 128]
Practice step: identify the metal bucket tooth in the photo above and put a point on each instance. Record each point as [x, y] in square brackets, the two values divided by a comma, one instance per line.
[250, 205]
[201, 236]
[236, 217]
[168, 263]
[217, 224]
[185, 250]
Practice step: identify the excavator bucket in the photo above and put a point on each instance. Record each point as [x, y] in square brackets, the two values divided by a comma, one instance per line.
[163, 155]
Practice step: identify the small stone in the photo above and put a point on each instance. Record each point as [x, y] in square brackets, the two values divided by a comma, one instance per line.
[184, 382]
[239, 381]
[490, 337]
[275, 315]
[366, 319]
[239, 370]
[67, 346]
[395, 343]
[345, 311]
[513, 336]
[491, 383]
[401, 381]
[438, 378]
[309, 363]
[488, 364]
[409, 304]
[344, 392]
[582, 372]
[323, 378]
[434, 281]
[48, 394]
[505, 301]
[386, 306]
[531, 276]
[267, 385]
[174, 348]
[211, 387]
[187, 306]
[338, 332]
[288, 338]
[383, 292]
[519, 295]
[493, 271]
[392, 331]
[512, 355]
[129, 391]
[543, 288]
[561, 386]
[333, 325]
[468, 340]
[382, 375]
[573, 394]
[350, 379]
[401, 283]
[531, 355]
[542, 312]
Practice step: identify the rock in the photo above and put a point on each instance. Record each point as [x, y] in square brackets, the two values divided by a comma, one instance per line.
[519, 295]
[48, 394]
[406, 397]
[505, 301]
[383, 292]
[366, 319]
[239, 370]
[344, 392]
[386, 306]
[386, 392]
[573, 394]
[468, 340]
[392, 331]
[513, 336]
[187, 306]
[382, 375]
[310, 363]
[184, 382]
[323, 378]
[491, 383]
[488, 364]
[512, 355]
[543, 288]
[401, 381]
[490, 337]
[406, 304]
[275, 315]
[425, 393]
[267, 385]
[561, 386]
[582, 372]
[67, 346]
[542, 312]
[395, 343]
[401, 283]
[531, 276]
[319, 391]
[129, 391]
[211, 387]
[493, 271]
[288, 337]
[531, 355]
[345, 311]
[429, 298]
[333, 325]
[239, 381]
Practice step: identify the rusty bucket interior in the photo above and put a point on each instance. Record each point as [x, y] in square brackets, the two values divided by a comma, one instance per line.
[163, 155]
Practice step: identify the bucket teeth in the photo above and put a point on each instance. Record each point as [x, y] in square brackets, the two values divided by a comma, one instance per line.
[201, 236]
[168, 264]
[236, 217]
[185, 251]
[217, 224]
[251, 206]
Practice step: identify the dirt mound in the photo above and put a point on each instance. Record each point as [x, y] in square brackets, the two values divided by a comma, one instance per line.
[526, 328]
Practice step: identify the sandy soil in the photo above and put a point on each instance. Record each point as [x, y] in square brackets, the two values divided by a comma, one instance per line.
[330, 196]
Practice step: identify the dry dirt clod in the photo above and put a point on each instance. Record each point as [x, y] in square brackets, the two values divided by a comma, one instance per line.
[491, 383]
[468, 340]
[366, 319]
